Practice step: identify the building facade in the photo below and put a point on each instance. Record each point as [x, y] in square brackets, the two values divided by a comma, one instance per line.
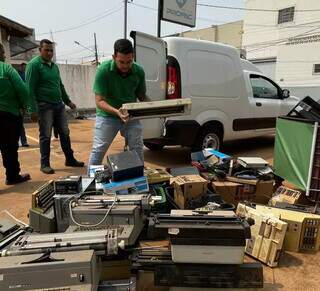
[282, 38]
[17, 40]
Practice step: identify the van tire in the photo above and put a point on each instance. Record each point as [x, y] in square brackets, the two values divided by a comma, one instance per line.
[153, 146]
[208, 137]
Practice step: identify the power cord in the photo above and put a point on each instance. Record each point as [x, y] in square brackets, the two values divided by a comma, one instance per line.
[91, 225]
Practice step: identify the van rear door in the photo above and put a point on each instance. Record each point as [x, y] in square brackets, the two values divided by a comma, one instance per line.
[151, 54]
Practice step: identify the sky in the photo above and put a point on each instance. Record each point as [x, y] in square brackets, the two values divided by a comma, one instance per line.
[77, 20]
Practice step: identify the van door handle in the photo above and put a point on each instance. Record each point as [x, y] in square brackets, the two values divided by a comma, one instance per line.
[258, 104]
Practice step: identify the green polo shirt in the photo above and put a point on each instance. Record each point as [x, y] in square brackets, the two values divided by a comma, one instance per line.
[116, 89]
[13, 92]
[44, 83]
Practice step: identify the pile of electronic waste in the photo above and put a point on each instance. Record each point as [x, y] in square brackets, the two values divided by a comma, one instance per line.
[174, 229]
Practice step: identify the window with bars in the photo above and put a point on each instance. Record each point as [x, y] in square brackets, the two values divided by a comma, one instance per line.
[316, 69]
[286, 15]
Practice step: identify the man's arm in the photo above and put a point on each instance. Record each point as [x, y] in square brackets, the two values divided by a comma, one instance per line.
[105, 106]
[32, 79]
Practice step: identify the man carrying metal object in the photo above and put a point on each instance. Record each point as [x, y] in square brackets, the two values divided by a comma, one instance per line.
[117, 81]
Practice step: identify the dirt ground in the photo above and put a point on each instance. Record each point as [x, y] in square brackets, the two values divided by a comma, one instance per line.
[296, 271]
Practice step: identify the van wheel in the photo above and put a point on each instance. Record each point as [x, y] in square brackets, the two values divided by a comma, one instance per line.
[208, 138]
[153, 146]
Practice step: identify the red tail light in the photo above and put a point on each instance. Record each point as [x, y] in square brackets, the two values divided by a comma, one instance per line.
[173, 83]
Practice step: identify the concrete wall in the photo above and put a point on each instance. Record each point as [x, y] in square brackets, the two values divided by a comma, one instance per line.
[304, 91]
[78, 81]
[295, 63]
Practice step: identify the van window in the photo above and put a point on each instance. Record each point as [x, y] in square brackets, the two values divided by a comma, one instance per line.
[211, 74]
[264, 88]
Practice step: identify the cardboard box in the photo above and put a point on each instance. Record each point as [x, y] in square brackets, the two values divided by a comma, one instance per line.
[291, 196]
[188, 187]
[261, 190]
[157, 175]
[232, 192]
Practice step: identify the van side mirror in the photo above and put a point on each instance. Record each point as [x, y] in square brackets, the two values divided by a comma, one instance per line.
[285, 93]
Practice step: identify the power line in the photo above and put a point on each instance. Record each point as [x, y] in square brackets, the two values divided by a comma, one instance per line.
[279, 41]
[272, 44]
[155, 9]
[252, 9]
[73, 52]
[304, 24]
[106, 14]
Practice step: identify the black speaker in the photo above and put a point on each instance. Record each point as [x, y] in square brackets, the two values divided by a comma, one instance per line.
[124, 166]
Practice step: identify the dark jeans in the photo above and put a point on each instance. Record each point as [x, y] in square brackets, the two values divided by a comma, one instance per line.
[50, 114]
[9, 143]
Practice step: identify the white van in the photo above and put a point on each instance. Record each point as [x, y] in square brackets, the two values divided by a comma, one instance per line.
[231, 98]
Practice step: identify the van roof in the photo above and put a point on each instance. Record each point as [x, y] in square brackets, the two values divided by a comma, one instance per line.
[184, 41]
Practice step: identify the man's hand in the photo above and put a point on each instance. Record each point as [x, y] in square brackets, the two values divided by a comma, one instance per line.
[34, 117]
[123, 115]
[72, 105]
[144, 98]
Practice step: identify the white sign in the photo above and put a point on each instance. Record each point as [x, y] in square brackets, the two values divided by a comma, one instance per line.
[180, 11]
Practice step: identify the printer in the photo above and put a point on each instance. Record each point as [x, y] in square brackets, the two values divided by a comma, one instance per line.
[217, 237]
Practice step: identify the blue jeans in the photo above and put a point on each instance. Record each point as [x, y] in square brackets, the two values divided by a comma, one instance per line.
[106, 129]
[53, 114]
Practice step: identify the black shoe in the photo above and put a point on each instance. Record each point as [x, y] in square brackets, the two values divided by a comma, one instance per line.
[18, 179]
[74, 163]
[47, 170]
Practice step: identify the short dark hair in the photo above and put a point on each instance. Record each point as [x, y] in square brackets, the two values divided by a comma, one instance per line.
[43, 41]
[123, 46]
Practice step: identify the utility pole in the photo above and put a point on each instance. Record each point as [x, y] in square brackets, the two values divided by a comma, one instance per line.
[159, 17]
[125, 18]
[96, 49]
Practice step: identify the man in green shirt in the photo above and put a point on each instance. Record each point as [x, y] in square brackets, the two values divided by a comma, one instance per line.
[117, 81]
[49, 97]
[13, 98]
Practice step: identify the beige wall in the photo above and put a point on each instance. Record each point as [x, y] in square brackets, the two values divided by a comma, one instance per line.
[203, 34]
[229, 33]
